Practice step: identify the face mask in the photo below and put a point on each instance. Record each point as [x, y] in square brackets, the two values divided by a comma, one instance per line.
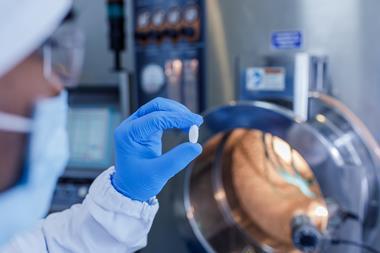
[23, 205]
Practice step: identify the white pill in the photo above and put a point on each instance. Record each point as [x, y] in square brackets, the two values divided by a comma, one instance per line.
[194, 134]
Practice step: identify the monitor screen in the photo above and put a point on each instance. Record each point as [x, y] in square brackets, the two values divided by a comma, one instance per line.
[90, 131]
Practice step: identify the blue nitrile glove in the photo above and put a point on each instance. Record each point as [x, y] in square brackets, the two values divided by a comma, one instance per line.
[141, 168]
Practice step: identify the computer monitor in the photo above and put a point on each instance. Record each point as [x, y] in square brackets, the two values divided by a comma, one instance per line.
[93, 115]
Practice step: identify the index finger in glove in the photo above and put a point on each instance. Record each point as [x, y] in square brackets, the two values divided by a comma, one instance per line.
[159, 104]
[142, 128]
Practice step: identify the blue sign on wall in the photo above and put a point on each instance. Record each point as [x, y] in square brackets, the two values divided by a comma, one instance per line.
[287, 40]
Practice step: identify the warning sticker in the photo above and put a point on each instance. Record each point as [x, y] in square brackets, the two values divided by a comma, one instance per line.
[265, 79]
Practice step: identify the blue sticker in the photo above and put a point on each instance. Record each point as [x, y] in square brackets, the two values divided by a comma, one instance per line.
[257, 78]
[287, 40]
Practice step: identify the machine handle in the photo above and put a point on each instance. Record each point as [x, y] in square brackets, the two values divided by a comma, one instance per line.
[301, 86]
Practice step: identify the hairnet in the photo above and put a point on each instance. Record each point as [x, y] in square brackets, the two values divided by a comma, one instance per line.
[25, 25]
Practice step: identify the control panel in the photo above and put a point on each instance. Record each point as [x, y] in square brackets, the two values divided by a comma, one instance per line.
[169, 51]
[173, 21]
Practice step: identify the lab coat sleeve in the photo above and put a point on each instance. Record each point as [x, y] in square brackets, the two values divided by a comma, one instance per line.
[106, 221]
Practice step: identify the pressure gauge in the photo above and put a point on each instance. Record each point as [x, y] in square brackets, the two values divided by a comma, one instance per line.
[158, 18]
[152, 78]
[173, 16]
[191, 13]
[143, 19]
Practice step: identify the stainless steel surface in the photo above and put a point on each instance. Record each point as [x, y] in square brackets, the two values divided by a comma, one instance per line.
[344, 31]
[124, 96]
[335, 145]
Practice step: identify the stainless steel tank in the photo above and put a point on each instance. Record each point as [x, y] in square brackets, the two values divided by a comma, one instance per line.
[262, 168]
[345, 31]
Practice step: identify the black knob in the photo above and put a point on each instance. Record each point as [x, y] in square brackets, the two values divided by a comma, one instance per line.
[171, 33]
[188, 31]
[140, 36]
[305, 236]
[155, 35]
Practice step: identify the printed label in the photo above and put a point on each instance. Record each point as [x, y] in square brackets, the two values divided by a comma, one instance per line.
[268, 79]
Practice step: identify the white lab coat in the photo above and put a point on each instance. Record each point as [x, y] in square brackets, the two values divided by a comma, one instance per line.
[106, 221]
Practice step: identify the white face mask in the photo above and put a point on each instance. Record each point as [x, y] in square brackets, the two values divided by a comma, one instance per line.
[23, 205]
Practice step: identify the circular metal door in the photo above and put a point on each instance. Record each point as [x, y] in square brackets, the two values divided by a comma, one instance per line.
[261, 168]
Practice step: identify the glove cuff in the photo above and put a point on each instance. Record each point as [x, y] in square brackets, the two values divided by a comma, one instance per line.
[119, 185]
[103, 193]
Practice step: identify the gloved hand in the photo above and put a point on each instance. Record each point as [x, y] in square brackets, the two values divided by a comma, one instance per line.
[141, 168]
